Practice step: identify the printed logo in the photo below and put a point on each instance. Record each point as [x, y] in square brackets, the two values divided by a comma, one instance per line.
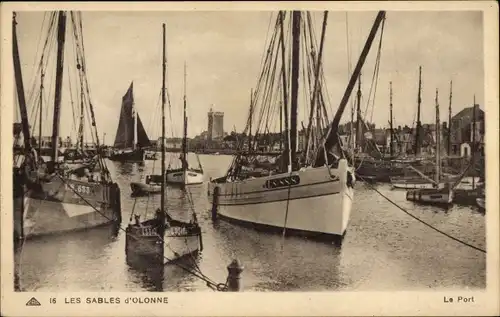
[33, 302]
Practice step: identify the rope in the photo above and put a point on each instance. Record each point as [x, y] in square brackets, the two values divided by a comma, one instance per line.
[25, 237]
[190, 200]
[208, 282]
[164, 242]
[420, 220]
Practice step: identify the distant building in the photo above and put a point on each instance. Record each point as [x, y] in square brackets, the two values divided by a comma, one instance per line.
[215, 125]
[170, 143]
[462, 131]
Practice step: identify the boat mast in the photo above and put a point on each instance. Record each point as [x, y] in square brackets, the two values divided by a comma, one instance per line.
[281, 126]
[162, 201]
[61, 37]
[332, 136]
[315, 103]
[391, 123]
[184, 132]
[42, 75]
[419, 101]
[358, 116]
[134, 112]
[250, 122]
[296, 17]
[474, 140]
[82, 119]
[438, 141]
[449, 120]
[286, 138]
[20, 87]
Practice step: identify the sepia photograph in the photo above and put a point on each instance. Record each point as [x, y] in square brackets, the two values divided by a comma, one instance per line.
[293, 149]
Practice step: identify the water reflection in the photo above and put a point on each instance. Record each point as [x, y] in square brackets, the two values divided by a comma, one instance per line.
[286, 264]
[42, 258]
[384, 248]
[175, 276]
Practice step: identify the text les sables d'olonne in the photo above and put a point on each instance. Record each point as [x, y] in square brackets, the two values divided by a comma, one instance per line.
[112, 300]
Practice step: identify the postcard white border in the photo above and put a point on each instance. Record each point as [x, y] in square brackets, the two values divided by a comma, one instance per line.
[254, 303]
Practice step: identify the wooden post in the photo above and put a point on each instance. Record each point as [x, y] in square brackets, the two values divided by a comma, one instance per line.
[234, 276]
[215, 202]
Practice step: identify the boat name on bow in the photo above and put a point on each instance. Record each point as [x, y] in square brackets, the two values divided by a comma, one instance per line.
[282, 182]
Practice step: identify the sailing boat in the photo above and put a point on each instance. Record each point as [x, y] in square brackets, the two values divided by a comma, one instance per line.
[442, 193]
[377, 170]
[55, 199]
[131, 138]
[162, 239]
[313, 199]
[185, 175]
[421, 177]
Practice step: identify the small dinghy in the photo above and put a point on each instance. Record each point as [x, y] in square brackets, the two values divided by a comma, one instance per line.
[152, 185]
[432, 196]
[481, 203]
[150, 156]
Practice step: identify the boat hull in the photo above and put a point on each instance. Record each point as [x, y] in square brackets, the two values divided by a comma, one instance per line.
[417, 183]
[135, 156]
[412, 185]
[139, 189]
[189, 177]
[319, 204]
[179, 246]
[65, 205]
[150, 156]
[481, 203]
[467, 197]
[430, 196]
[372, 173]
[144, 245]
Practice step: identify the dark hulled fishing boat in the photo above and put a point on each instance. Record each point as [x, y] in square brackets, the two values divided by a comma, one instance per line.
[54, 199]
[131, 138]
[161, 239]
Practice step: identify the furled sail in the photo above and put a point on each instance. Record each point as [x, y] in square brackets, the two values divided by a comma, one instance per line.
[125, 132]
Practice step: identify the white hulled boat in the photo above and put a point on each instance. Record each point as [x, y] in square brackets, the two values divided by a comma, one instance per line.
[310, 195]
[186, 175]
[319, 200]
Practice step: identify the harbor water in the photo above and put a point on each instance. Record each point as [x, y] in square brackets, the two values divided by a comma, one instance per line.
[383, 250]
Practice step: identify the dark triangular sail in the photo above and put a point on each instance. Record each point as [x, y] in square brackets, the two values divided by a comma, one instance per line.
[125, 132]
[142, 137]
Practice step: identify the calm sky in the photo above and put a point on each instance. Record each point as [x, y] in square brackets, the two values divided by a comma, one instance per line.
[223, 52]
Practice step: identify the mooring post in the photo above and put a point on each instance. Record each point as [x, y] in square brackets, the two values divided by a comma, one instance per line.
[234, 276]
[215, 202]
